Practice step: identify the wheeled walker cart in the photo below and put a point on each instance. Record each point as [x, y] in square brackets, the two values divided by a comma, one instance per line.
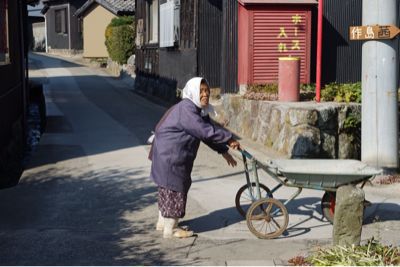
[266, 216]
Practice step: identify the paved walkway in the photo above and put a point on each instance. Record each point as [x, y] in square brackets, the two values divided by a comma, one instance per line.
[86, 198]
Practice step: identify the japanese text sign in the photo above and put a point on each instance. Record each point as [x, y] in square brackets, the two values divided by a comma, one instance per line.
[375, 32]
[291, 42]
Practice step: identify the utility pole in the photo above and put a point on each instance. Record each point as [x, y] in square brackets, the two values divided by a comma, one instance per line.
[379, 133]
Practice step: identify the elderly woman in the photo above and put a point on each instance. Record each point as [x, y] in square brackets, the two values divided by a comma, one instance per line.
[177, 140]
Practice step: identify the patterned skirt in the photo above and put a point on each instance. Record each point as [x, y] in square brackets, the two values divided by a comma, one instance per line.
[172, 204]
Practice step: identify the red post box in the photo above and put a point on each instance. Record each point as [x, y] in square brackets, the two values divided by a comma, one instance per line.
[289, 79]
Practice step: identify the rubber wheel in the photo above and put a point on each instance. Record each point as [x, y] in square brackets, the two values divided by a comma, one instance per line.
[243, 198]
[267, 218]
[328, 203]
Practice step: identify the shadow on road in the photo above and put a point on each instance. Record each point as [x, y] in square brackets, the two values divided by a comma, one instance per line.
[84, 219]
[381, 212]
[228, 216]
[214, 220]
[309, 208]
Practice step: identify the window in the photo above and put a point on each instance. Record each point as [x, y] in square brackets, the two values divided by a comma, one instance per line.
[152, 21]
[61, 21]
[169, 23]
[4, 40]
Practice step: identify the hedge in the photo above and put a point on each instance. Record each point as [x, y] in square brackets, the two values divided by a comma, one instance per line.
[120, 38]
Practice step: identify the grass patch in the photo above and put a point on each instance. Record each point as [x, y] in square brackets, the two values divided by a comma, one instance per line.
[372, 253]
[337, 92]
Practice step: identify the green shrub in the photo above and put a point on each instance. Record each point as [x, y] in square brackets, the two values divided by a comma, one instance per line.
[263, 88]
[346, 92]
[120, 39]
[307, 87]
[119, 21]
[352, 122]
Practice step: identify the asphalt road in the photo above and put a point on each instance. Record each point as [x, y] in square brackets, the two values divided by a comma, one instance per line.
[86, 197]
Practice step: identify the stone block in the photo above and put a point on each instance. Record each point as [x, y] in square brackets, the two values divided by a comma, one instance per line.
[328, 145]
[299, 130]
[348, 148]
[342, 114]
[302, 116]
[328, 118]
[236, 104]
[261, 134]
[274, 127]
[349, 211]
[304, 142]
[281, 140]
[246, 124]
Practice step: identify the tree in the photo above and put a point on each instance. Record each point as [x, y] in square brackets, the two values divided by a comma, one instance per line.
[120, 38]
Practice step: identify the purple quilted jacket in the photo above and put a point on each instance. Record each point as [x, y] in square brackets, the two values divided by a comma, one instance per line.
[176, 144]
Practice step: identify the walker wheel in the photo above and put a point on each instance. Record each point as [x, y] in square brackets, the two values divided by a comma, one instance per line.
[328, 203]
[267, 218]
[243, 198]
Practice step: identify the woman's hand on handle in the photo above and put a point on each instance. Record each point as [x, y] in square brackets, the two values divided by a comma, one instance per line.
[229, 159]
[232, 143]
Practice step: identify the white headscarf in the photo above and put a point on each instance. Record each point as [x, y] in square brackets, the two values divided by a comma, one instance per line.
[191, 91]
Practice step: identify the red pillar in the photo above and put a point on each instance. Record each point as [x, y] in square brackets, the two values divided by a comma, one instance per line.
[289, 79]
[319, 51]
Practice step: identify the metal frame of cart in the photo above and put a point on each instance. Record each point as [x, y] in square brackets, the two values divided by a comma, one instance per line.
[267, 217]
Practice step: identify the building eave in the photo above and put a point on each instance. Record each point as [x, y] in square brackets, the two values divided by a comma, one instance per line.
[81, 11]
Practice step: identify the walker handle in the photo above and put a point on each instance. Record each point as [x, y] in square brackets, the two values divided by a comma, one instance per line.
[246, 154]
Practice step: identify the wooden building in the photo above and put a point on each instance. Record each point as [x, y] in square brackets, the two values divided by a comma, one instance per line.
[63, 29]
[179, 39]
[269, 30]
[96, 15]
[341, 58]
[204, 42]
[13, 89]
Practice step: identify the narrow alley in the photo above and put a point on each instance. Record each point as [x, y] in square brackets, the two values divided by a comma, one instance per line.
[86, 197]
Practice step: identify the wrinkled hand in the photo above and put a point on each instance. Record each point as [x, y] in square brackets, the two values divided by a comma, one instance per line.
[229, 159]
[233, 144]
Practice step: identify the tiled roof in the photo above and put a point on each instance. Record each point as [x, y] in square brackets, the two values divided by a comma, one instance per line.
[118, 7]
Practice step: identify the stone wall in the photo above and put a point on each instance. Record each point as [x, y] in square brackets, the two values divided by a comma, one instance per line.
[298, 130]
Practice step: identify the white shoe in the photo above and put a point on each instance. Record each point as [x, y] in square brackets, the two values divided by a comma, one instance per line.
[182, 233]
[168, 227]
[160, 222]
[171, 229]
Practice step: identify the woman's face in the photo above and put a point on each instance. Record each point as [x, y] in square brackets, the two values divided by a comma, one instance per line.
[204, 95]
